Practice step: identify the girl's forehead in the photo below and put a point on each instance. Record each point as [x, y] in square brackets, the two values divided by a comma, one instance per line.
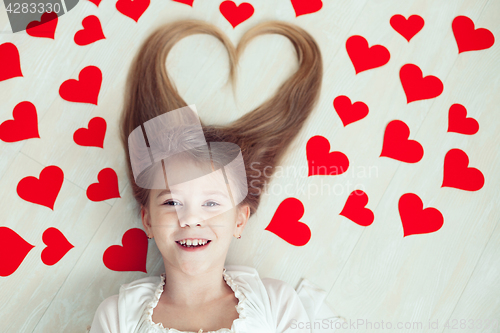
[185, 175]
[213, 179]
[171, 171]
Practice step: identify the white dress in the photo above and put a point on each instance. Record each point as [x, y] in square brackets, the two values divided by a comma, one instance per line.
[264, 306]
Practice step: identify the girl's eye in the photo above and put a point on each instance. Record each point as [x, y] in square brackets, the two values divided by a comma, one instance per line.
[168, 203]
[172, 203]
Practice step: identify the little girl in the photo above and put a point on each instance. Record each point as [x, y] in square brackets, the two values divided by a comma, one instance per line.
[198, 185]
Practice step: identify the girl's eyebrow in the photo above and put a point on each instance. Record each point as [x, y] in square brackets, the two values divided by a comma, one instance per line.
[163, 193]
[211, 192]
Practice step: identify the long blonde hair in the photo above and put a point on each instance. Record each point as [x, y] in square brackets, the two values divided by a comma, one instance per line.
[263, 134]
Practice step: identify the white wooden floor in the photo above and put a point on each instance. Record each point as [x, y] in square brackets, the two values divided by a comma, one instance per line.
[372, 273]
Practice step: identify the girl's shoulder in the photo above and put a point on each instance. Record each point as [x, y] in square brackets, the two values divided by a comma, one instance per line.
[262, 291]
[249, 274]
[145, 282]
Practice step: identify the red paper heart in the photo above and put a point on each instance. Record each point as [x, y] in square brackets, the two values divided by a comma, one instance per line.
[57, 246]
[456, 174]
[348, 112]
[302, 7]
[93, 136]
[415, 219]
[10, 64]
[45, 28]
[458, 121]
[13, 250]
[236, 14]
[363, 57]
[407, 27]
[187, 2]
[469, 39]
[131, 256]
[24, 125]
[91, 32]
[320, 159]
[132, 8]
[397, 146]
[416, 86]
[85, 89]
[106, 188]
[42, 191]
[354, 209]
[96, 2]
[286, 225]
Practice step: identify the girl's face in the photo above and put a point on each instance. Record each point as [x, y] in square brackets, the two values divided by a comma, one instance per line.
[200, 208]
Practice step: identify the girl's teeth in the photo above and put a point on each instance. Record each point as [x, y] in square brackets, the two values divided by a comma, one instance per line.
[193, 243]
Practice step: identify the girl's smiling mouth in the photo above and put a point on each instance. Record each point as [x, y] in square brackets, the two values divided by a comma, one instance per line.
[191, 248]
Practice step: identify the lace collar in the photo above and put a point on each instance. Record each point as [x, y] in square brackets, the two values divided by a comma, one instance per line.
[240, 308]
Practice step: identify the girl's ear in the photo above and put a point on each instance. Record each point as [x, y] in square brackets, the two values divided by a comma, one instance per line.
[243, 215]
[146, 220]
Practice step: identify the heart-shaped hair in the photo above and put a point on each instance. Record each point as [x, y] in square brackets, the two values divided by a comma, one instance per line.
[263, 134]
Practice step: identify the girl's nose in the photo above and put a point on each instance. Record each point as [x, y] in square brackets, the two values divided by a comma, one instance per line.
[189, 216]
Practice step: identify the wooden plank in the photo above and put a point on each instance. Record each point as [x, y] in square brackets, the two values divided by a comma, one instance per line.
[32, 287]
[420, 277]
